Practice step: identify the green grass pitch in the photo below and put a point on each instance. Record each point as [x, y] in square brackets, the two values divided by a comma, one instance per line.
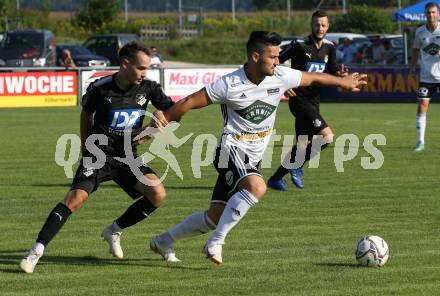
[296, 243]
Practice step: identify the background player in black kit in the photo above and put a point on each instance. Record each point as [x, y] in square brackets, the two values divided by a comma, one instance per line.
[111, 106]
[313, 54]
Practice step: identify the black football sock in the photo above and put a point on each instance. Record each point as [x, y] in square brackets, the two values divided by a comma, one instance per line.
[279, 173]
[54, 222]
[282, 171]
[137, 212]
[309, 152]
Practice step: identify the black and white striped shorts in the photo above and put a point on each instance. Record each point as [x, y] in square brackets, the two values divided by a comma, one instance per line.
[232, 165]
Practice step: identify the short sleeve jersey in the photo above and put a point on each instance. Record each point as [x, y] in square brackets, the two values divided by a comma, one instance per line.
[117, 111]
[429, 45]
[305, 56]
[248, 109]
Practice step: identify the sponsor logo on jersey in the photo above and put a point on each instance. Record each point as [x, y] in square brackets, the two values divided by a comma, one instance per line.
[432, 49]
[246, 136]
[273, 91]
[123, 119]
[256, 112]
[140, 99]
[315, 67]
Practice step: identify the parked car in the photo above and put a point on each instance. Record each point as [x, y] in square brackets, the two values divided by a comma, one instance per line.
[288, 39]
[82, 57]
[109, 45]
[28, 48]
[337, 38]
[396, 44]
[285, 44]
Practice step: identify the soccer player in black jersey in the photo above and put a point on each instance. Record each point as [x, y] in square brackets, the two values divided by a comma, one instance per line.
[313, 54]
[112, 106]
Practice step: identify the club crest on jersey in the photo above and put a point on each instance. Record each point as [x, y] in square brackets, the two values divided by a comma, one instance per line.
[123, 119]
[257, 112]
[88, 171]
[432, 49]
[140, 99]
[317, 123]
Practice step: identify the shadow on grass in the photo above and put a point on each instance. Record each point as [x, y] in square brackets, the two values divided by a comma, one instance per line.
[338, 264]
[207, 187]
[112, 185]
[2, 270]
[12, 258]
[67, 185]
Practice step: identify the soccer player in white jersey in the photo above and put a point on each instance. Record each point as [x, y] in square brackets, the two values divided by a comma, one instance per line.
[249, 98]
[427, 46]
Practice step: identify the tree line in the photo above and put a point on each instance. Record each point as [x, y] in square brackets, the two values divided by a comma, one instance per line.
[212, 5]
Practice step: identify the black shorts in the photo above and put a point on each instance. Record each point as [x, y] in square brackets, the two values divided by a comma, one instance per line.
[309, 123]
[232, 166]
[426, 90]
[89, 179]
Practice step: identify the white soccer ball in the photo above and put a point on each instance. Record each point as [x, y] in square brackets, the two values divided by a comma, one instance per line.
[372, 251]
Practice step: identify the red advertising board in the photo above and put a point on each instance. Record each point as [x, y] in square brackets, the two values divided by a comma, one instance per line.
[38, 89]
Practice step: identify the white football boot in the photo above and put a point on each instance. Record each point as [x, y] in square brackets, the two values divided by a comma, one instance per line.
[28, 263]
[113, 239]
[166, 251]
[213, 251]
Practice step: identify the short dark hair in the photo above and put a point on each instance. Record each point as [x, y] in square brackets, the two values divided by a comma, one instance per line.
[258, 40]
[319, 13]
[431, 5]
[130, 50]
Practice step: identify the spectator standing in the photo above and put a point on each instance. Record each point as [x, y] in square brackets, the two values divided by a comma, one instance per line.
[390, 55]
[349, 51]
[378, 51]
[156, 59]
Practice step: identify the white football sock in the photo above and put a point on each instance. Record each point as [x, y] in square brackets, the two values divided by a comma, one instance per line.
[38, 247]
[421, 127]
[237, 206]
[195, 224]
[116, 227]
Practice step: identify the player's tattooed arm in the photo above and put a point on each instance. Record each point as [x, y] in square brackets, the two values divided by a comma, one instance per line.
[196, 100]
[159, 119]
[352, 82]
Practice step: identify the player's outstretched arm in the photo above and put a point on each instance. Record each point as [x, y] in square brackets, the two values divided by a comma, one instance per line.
[353, 81]
[196, 100]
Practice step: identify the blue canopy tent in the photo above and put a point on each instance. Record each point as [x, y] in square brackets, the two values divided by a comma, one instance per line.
[413, 13]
